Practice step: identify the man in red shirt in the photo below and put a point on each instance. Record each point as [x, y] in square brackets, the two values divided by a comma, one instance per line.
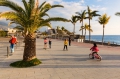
[12, 42]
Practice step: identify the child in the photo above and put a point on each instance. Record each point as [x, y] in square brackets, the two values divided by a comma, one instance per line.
[45, 43]
[50, 42]
[65, 44]
[94, 50]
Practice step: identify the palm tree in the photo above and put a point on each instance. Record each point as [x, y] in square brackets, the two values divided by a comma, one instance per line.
[91, 14]
[58, 31]
[86, 27]
[73, 21]
[67, 31]
[62, 28]
[58, 27]
[117, 13]
[103, 20]
[81, 16]
[30, 18]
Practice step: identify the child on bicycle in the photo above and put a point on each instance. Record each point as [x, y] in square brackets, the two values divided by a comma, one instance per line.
[94, 49]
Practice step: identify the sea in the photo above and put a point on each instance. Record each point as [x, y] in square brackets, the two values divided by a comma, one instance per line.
[113, 39]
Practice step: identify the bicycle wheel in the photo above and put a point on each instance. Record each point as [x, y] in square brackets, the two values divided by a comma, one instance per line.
[99, 57]
[90, 56]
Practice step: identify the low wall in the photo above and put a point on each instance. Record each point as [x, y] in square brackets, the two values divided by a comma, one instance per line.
[100, 43]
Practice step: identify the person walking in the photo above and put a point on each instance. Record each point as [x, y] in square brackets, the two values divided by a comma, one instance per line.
[65, 44]
[69, 41]
[45, 43]
[50, 42]
[12, 41]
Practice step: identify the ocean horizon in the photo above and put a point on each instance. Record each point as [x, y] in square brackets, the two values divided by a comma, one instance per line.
[114, 39]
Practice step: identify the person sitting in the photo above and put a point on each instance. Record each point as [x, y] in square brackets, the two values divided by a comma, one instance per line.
[94, 49]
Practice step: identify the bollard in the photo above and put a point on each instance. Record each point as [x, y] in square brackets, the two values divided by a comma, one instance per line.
[7, 51]
[108, 43]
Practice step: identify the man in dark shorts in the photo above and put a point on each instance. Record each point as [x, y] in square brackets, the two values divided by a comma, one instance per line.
[50, 42]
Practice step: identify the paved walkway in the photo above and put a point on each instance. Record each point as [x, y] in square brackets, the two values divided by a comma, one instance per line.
[59, 64]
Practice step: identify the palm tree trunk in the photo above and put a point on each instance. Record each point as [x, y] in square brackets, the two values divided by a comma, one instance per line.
[30, 47]
[74, 32]
[85, 34]
[103, 35]
[82, 31]
[89, 31]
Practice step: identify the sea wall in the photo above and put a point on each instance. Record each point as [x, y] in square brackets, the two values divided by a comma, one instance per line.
[100, 43]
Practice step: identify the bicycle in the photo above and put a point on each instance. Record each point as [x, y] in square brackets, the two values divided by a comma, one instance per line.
[96, 56]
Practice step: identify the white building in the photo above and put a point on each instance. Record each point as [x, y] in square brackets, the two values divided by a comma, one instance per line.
[10, 30]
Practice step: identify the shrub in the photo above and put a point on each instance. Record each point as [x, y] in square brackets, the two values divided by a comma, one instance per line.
[22, 64]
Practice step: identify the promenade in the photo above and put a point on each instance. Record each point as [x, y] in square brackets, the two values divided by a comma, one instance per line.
[59, 64]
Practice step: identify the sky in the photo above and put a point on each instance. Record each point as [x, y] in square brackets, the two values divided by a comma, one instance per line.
[110, 7]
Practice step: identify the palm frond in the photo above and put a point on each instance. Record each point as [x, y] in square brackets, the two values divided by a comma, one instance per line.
[11, 5]
[41, 5]
[56, 19]
[10, 23]
[19, 28]
[54, 6]
[45, 7]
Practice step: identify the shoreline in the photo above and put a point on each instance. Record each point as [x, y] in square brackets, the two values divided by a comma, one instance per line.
[100, 43]
[112, 39]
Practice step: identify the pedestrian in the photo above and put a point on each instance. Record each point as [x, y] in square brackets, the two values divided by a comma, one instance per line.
[69, 41]
[50, 42]
[65, 44]
[45, 43]
[12, 41]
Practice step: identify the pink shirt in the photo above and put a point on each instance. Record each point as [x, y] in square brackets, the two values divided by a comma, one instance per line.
[45, 41]
[95, 49]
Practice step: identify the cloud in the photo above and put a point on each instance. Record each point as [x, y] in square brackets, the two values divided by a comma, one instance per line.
[98, 8]
[69, 9]
[82, 1]
[99, 0]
